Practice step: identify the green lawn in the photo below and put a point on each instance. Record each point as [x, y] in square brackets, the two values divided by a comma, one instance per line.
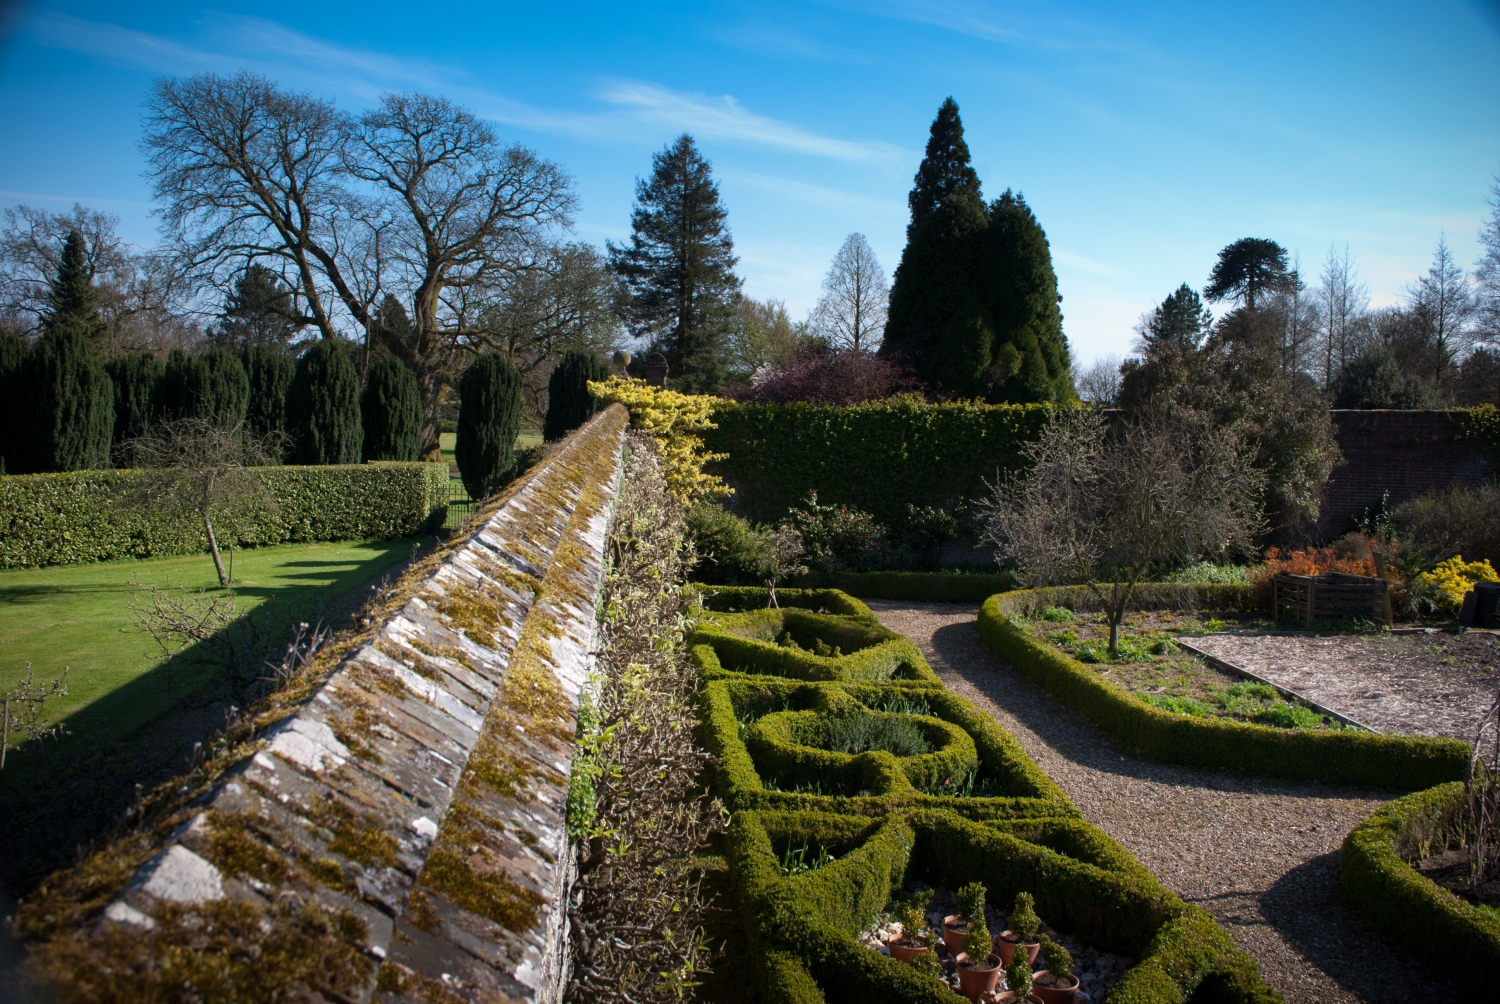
[78, 616]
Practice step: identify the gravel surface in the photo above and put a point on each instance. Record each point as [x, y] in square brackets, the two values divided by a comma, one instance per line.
[1259, 854]
[1415, 684]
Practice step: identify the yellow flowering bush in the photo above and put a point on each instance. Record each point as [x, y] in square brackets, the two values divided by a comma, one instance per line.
[674, 421]
[1450, 580]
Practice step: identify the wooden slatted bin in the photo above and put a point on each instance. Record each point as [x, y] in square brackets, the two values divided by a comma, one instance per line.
[1331, 597]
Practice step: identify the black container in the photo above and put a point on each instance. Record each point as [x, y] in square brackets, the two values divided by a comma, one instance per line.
[1481, 606]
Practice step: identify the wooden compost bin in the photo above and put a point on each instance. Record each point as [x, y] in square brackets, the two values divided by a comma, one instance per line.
[1332, 596]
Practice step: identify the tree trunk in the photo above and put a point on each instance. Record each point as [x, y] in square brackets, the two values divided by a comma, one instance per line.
[1114, 633]
[213, 548]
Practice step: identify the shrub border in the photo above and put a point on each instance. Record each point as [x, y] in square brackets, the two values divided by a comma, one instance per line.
[1346, 755]
[1406, 906]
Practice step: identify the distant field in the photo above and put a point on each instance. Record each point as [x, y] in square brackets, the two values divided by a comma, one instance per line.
[457, 512]
[78, 616]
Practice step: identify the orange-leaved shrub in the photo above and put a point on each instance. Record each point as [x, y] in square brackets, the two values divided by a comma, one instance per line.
[1353, 554]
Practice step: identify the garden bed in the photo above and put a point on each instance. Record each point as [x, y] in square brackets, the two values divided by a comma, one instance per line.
[1450, 870]
[1151, 665]
[1438, 684]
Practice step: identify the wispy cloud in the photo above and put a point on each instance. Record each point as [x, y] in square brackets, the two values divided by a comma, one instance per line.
[781, 43]
[725, 118]
[1089, 265]
[233, 42]
[890, 211]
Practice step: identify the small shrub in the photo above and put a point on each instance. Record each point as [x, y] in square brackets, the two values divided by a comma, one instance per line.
[971, 900]
[1444, 587]
[1208, 572]
[911, 914]
[860, 733]
[1057, 615]
[978, 941]
[570, 403]
[839, 538]
[1312, 561]
[1056, 959]
[1023, 918]
[1018, 977]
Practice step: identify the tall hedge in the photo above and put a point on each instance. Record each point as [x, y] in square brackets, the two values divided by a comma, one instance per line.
[881, 456]
[322, 409]
[54, 519]
[135, 379]
[12, 356]
[67, 404]
[210, 385]
[489, 418]
[569, 403]
[391, 409]
[268, 371]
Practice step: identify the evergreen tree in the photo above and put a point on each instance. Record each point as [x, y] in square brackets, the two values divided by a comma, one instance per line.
[679, 267]
[12, 424]
[974, 305]
[391, 409]
[70, 403]
[489, 419]
[945, 171]
[268, 372]
[1178, 324]
[72, 302]
[135, 378]
[322, 406]
[226, 387]
[1249, 266]
[259, 311]
[1018, 285]
[569, 403]
[392, 328]
[1373, 379]
[180, 388]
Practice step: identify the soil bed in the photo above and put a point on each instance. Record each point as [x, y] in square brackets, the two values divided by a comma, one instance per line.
[1152, 667]
[1097, 972]
[1451, 871]
[1438, 684]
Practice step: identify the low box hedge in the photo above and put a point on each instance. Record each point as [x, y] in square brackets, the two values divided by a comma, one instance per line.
[921, 587]
[1347, 755]
[800, 930]
[1415, 912]
[57, 519]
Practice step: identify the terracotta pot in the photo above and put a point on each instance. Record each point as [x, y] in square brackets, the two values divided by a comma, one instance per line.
[955, 926]
[1006, 944]
[1053, 995]
[1009, 997]
[976, 982]
[903, 953]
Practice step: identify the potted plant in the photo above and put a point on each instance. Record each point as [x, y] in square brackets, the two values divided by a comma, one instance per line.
[911, 913]
[978, 967]
[956, 926]
[1024, 925]
[1055, 982]
[1018, 979]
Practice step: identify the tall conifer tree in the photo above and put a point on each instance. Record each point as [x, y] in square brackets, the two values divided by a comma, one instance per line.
[945, 171]
[72, 301]
[260, 310]
[569, 403]
[391, 409]
[323, 406]
[268, 371]
[135, 378]
[489, 417]
[12, 426]
[679, 267]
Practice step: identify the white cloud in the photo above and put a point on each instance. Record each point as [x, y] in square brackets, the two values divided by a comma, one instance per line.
[887, 211]
[1082, 264]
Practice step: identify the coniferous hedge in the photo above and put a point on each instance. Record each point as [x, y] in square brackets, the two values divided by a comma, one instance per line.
[391, 409]
[12, 355]
[881, 457]
[269, 372]
[489, 418]
[66, 405]
[569, 403]
[322, 408]
[52, 519]
[135, 379]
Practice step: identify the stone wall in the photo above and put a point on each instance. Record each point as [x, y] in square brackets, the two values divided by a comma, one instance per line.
[1395, 454]
[400, 834]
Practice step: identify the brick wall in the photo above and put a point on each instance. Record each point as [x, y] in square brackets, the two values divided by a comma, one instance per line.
[1403, 453]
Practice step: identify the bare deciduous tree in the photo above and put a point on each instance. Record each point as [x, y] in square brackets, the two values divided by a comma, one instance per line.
[1099, 505]
[202, 470]
[1487, 271]
[22, 709]
[1342, 300]
[1443, 302]
[1099, 382]
[851, 312]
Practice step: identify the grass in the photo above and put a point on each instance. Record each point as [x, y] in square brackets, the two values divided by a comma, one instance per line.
[78, 617]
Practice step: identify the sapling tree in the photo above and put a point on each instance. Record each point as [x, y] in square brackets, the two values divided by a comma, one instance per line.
[22, 708]
[1100, 503]
[202, 470]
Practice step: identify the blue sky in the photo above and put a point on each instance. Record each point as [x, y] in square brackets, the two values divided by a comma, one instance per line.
[1145, 136]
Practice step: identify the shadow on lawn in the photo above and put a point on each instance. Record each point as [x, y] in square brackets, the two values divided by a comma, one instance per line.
[58, 798]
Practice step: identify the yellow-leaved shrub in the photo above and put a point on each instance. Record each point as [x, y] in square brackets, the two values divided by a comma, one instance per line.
[675, 421]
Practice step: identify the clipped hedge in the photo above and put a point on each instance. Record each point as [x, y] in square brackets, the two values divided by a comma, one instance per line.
[57, 519]
[1023, 834]
[921, 587]
[1347, 755]
[881, 456]
[1406, 906]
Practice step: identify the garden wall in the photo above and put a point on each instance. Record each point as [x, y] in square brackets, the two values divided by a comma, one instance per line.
[1403, 453]
[391, 826]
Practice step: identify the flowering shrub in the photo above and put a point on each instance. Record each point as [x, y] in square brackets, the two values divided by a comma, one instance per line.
[839, 538]
[674, 421]
[1444, 587]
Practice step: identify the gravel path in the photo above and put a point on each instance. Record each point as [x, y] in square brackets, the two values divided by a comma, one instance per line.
[1422, 685]
[1259, 854]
